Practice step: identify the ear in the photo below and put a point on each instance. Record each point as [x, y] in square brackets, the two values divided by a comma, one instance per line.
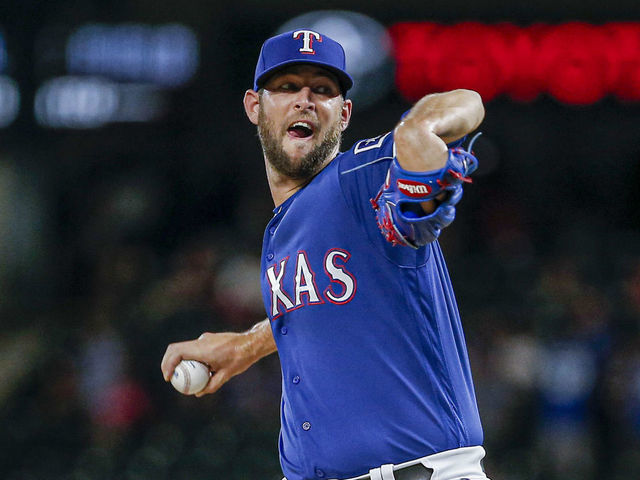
[252, 105]
[346, 114]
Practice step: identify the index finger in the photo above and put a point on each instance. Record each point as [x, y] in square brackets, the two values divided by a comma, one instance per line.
[175, 353]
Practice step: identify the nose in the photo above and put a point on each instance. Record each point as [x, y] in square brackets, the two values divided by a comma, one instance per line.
[304, 100]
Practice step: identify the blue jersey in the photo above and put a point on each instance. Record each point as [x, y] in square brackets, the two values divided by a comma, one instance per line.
[374, 364]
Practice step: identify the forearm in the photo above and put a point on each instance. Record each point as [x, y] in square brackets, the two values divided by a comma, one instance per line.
[448, 115]
[227, 353]
[259, 340]
[434, 121]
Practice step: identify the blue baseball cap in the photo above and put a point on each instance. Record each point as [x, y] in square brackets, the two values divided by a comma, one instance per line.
[301, 46]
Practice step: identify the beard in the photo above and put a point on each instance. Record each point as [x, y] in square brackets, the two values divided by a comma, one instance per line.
[310, 164]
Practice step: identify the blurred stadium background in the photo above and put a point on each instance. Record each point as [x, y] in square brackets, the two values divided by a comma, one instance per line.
[132, 203]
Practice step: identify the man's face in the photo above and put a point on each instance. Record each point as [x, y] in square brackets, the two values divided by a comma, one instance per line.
[301, 118]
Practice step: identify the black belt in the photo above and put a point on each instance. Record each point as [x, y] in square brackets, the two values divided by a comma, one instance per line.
[414, 472]
[411, 472]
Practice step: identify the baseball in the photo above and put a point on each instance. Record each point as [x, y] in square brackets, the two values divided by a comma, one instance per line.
[190, 377]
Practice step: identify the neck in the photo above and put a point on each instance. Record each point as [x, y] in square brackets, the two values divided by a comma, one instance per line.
[283, 186]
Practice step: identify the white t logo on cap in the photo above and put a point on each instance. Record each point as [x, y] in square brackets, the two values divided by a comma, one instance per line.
[307, 40]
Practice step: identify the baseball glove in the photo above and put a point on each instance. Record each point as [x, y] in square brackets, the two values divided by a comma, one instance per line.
[399, 214]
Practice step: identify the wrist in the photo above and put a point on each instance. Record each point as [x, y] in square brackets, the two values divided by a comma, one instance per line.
[258, 342]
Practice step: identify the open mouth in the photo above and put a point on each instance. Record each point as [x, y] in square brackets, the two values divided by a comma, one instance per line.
[300, 129]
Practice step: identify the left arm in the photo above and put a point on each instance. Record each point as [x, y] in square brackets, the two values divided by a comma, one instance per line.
[421, 137]
[424, 181]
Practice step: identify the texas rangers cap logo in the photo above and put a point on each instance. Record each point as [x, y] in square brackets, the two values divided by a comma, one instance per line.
[307, 40]
[301, 46]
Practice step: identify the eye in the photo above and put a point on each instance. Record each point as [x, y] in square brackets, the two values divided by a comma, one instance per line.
[289, 87]
[326, 89]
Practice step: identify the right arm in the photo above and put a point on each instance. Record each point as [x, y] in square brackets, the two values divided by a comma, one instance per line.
[227, 354]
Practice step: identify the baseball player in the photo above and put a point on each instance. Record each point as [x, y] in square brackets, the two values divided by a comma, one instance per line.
[376, 382]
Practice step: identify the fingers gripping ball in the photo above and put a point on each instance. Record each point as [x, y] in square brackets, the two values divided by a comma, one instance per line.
[190, 377]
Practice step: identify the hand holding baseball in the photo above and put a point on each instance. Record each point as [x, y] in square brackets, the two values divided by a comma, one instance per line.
[226, 354]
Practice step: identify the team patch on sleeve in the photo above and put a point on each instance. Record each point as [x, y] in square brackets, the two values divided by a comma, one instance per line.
[369, 143]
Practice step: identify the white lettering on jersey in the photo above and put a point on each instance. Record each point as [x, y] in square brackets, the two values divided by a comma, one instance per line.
[307, 40]
[369, 144]
[339, 274]
[305, 281]
[277, 295]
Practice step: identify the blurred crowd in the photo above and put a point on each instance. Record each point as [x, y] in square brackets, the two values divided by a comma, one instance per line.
[94, 288]
[556, 365]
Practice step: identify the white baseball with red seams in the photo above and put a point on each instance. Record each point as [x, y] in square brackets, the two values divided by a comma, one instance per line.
[190, 377]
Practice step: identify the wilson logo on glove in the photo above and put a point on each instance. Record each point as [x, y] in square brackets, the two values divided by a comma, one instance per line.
[413, 189]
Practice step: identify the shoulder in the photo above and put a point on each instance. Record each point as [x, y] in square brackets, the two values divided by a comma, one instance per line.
[367, 152]
[372, 144]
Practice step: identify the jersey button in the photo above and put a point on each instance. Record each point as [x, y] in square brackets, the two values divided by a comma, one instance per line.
[284, 330]
[296, 379]
[272, 230]
[270, 256]
[319, 473]
[306, 426]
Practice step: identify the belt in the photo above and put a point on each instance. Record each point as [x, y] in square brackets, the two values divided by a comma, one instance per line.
[413, 472]
[389, 472]
[463, 463]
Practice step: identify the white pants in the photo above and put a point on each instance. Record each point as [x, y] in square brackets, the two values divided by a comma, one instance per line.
[457, 464]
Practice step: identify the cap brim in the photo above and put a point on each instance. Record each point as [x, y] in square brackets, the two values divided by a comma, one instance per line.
[344, 79]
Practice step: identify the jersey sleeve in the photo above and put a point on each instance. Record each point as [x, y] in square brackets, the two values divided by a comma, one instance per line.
[362, 171]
